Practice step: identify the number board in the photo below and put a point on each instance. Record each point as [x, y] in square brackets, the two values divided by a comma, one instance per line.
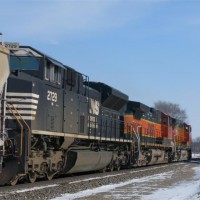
[11, 45]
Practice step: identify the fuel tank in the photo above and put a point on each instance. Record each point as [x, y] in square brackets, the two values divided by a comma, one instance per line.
[156, 156]
[83, 161]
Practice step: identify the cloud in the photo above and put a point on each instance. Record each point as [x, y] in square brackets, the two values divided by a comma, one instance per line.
[51, 19]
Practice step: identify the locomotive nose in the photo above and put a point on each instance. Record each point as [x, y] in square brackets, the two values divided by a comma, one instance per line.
[4, 66]
[4, 72]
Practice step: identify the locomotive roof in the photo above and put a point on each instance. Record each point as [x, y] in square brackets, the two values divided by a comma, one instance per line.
[133, 105]
[111, 97]
[30, 51]
[99, 85]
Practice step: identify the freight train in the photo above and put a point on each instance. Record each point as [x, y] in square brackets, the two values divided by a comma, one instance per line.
[55, 121]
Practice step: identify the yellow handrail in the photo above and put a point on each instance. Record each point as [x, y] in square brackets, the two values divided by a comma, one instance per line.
[29, 130]
[21, 126]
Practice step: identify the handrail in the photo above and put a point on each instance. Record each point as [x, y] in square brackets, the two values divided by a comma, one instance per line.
[29, 130]
[137, 137]
[21, 126]
[2, 117]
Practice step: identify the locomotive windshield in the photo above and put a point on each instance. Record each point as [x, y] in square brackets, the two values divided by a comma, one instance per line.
[24, 58]
[24, 63]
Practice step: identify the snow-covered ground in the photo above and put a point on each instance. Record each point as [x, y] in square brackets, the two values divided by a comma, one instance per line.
[196, 155]
[145, 188]
[182, 191]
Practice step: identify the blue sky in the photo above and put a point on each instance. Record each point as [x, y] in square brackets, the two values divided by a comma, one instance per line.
[149, 49]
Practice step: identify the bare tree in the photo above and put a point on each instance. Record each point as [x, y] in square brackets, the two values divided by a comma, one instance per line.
[171, 109]
[196, 145]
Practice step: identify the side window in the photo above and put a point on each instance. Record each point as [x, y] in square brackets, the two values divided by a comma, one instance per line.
[165, 121]
[57, 74]
[47, 71]
[52, 73]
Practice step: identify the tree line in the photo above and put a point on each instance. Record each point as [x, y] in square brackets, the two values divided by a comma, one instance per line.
[175, 111]
[196, 145]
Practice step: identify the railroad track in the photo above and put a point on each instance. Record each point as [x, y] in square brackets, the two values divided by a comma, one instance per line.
[74, 183]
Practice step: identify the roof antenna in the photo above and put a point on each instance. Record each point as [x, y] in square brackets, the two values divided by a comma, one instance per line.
[2, 42]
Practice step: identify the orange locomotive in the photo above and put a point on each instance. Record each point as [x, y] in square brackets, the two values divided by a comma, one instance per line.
[159, 137]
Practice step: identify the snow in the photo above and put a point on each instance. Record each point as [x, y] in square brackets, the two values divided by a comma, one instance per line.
[96, 178]
[144, 188]
[107, 188]
[184, 191]
[181, 191]
[196, 155]
[34, 188]
[119, 174]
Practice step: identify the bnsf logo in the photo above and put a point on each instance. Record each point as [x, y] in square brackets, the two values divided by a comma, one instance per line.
[52, 96]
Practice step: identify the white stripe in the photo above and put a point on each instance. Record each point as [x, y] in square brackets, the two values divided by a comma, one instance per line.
[24, 106]
[22, 94]
[39, 132]
[23, 112]
[72, 135]
[22, 100]
[24, 117]
[33, 188]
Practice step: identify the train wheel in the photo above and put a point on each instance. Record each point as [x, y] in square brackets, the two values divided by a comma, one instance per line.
[14, 181]
[139, 163]
[103, 170]
[9, 170]
[31, 177]
[49, 176]
[111, 167]
[117, 165]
